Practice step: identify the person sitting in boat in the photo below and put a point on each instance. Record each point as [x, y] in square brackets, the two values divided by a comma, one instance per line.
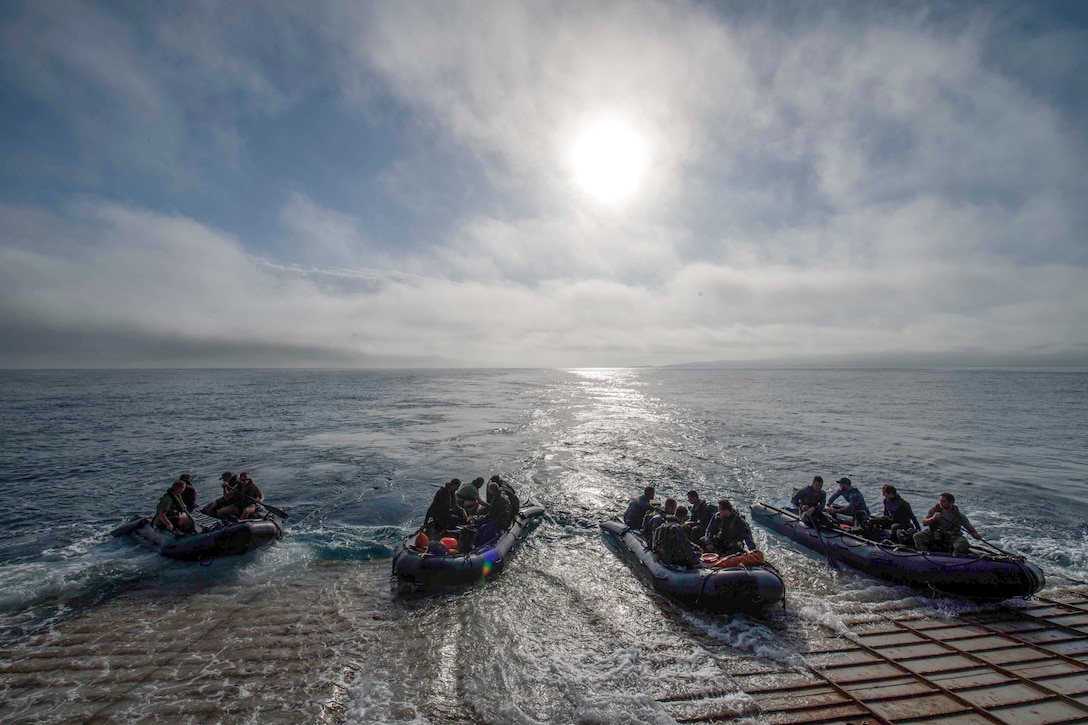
[242, 500]
[810, 500]
[638, 508]
[229, 481]
[499, 508]
[671, 545]
[898, 517]
[171, 513]
[945, 524]
[188, 496]
[468, 496]
[689, 527]
[854, 505]
[508, 491]
[497, 519]
[656, 518]
[250, 494]
[694, 532]
[444, 513]
[701, 514]
[728, 532]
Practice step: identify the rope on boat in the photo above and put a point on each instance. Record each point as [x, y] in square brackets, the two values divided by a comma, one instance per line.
[897, 550]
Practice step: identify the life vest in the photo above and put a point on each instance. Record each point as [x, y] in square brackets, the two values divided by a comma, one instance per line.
[947, 525]
[174, 510]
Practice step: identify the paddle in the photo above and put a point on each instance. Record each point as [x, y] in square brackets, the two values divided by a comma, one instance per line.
[279, 512]
[999, 549]
[827, 552]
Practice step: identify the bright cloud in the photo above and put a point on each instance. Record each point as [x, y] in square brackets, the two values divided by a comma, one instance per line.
[389, 184]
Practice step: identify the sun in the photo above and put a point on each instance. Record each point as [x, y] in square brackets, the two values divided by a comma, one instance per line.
[609, 159]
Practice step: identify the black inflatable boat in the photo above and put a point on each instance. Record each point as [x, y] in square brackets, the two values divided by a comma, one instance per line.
[212, 539]
[706, 587]
[982, 574]
[422, 571]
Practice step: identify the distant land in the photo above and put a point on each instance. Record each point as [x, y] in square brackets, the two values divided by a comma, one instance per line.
[973, 359]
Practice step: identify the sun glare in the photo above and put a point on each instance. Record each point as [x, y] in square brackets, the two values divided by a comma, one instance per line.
[608, 160]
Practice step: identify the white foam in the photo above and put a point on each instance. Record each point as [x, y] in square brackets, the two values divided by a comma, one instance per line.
[374, 699]
[822, 614]
[607, 688]
[752, 638]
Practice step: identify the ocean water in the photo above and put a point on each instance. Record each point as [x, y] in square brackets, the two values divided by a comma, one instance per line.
[567, 633]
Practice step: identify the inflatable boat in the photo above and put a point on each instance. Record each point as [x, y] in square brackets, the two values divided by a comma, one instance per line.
[981, 574]
[421, 570]
[730, 589]
[213, 538]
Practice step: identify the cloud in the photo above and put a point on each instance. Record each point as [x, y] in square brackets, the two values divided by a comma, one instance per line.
[145, 281]
[518, 81]
[153, 92]
[754, 127]
[317, 235]
[389, 184]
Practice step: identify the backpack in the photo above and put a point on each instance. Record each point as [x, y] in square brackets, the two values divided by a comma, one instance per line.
[505, 489]
[874, 528]
[674, 548]
[648, 526]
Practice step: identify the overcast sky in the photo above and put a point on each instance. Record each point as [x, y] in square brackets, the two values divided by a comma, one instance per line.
[396, 184]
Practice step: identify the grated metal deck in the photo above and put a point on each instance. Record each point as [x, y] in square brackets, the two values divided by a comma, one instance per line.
[1017, 666]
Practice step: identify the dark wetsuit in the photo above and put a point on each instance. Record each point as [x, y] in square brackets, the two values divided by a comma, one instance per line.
[855, 503]
[499, 511]
[636, 511]
[444, 510]
[188, 496]
[701, 515]
[808, 496]
[898, 512]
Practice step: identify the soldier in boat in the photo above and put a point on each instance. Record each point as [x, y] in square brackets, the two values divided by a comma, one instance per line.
[945, 524]
[171, 513]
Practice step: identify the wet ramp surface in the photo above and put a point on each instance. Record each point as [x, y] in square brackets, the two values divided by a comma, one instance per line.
[271, 653]
[1011, 665]
[332, 645]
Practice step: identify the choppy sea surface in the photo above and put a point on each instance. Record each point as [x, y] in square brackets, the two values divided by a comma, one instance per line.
[566, 633]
